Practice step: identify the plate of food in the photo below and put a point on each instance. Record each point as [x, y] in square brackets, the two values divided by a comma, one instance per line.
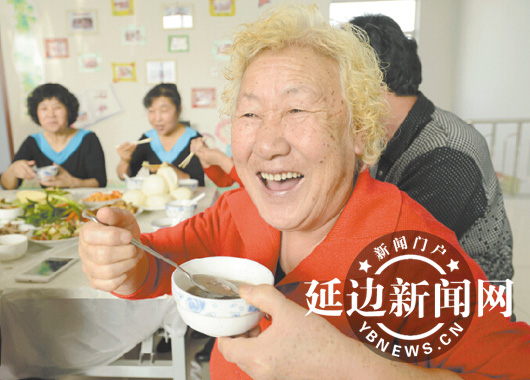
[99, 199]
[120, 203]
[16, 227]
[55, 233]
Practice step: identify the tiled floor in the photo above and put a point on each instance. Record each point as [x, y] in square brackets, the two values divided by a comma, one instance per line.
[518, 209]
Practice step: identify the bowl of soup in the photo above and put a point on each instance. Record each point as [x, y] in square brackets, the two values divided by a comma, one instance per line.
[219, 316]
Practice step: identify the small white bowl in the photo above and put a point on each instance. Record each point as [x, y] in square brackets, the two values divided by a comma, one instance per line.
[13, 246]
[46, 172]
[180, 209]
[219, 317]
[134, 183]
[189, 182]
[10, 213]
[163, 223]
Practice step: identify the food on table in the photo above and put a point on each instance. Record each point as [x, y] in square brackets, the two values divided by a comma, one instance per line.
[157, 201]
[63, 229]
[6, 205]
[48, 206]
[100, 196]
[24, 196]
[181, 193]
[136, 197]
[149, 166]
[11, 228]
[154, 185]
[169, 175]
[120, 204]
[156, 189]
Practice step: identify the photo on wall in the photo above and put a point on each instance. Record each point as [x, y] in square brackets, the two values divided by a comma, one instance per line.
[222, 7]
[133, 35]
[90, 63]
[56, 47]
[122, 7]
[176, 44]
[82, 21]
[203, 98]
[124, 72]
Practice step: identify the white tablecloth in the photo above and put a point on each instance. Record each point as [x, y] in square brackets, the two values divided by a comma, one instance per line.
[65, 326]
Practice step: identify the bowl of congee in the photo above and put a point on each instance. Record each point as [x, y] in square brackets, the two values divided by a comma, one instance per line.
[213, 315]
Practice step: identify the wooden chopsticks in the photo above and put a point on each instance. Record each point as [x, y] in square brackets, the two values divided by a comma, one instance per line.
[138, 142]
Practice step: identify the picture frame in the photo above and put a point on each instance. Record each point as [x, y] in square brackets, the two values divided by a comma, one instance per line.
[178, 43]
[124, 72]
[222, 7]
[161, 71]
[122, 7]
[56, 47]
[133, 35]
[203, 97]
[82, 21]
[177, 16]
[90, 63]
[221, 50]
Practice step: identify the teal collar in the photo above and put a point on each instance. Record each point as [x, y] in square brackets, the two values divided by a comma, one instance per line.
[180, 145]
[60, 157]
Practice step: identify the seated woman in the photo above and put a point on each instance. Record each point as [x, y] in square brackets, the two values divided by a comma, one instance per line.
[217, 165]
[77, 152]
[170, 138]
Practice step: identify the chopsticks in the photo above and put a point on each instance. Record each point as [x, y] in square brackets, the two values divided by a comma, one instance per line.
[185, 162]
[138, 142]
[144, 141]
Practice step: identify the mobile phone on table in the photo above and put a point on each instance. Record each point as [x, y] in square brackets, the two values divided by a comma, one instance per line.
[46, 270]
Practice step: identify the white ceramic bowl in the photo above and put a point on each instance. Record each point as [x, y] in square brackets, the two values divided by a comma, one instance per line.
[219, 317]
[10, 213]
[134, 183]
[163, 223]
[189, 182]
[47, 171]
[13, 246]
[180, 209]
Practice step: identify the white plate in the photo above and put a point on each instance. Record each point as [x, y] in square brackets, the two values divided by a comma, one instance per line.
[92, 205]
[161, 208]
[53, 243]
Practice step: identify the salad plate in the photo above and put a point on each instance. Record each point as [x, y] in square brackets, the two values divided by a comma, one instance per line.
[53, 243]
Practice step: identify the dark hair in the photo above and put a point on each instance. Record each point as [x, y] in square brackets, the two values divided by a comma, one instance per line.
[398, 54]
[49, 91]
[169, 90]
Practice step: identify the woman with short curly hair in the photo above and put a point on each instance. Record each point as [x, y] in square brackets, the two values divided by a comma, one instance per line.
[77, 153]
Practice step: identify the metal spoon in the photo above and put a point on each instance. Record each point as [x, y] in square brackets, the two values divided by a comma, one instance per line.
[215, 287]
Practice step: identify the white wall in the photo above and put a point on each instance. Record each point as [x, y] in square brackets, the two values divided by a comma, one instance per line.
[476, 60]
[195, 69]
[494, 60]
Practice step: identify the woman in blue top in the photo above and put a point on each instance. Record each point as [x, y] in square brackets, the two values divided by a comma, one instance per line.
[170, 138]
[78, 153]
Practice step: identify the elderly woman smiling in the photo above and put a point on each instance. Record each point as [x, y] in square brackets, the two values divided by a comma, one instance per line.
[77, 152]
[305, 99]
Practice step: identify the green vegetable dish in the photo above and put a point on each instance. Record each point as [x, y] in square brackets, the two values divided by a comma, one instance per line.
[57, 215]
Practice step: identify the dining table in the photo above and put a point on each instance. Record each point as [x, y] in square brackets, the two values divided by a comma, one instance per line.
[66, 327]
